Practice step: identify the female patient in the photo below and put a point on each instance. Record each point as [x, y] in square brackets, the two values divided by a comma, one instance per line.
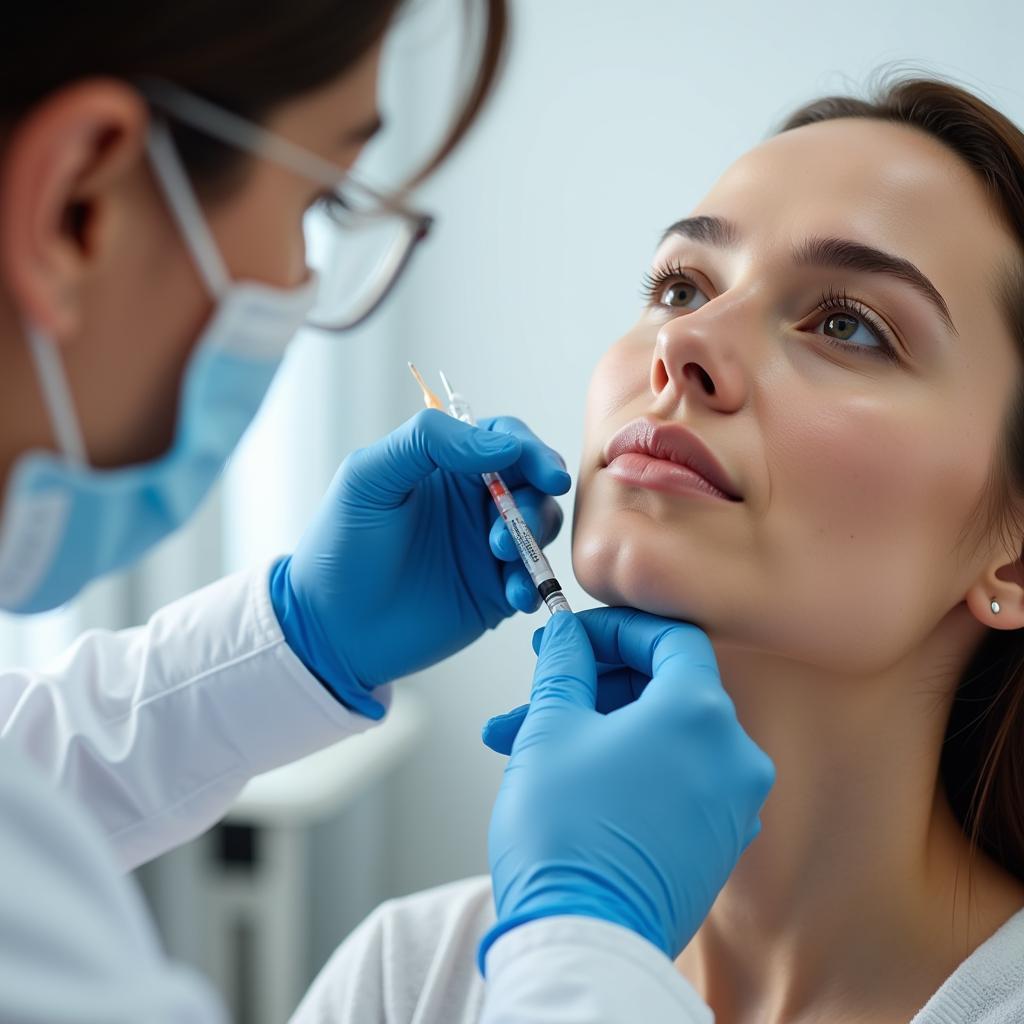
[812, 445]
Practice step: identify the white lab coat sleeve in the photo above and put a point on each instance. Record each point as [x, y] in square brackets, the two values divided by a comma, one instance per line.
[154, 730]
[76, 946]
[571, 970]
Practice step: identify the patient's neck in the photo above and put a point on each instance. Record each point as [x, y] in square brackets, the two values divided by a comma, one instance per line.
[843, 908]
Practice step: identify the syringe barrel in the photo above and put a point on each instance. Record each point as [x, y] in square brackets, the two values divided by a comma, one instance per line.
[532, 557]
[528, 548]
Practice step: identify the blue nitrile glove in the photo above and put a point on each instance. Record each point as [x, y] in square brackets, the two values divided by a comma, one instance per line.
[637, 815]
[396, 571]
[616, 687]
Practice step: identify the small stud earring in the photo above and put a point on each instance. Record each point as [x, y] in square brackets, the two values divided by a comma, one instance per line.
[995, 607]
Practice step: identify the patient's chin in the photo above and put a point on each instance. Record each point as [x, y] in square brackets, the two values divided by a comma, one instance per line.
[629, 568]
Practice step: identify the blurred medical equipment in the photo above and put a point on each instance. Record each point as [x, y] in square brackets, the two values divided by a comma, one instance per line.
[242, 901]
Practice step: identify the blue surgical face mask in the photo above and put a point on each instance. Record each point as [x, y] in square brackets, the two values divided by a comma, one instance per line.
[66, 523]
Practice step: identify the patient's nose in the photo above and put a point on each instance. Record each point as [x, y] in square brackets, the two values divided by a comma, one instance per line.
[697, 367]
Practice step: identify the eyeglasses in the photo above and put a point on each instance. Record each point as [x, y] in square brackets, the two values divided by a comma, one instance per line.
[358, 240]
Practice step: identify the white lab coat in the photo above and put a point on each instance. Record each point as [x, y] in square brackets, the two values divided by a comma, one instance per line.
[137, 741]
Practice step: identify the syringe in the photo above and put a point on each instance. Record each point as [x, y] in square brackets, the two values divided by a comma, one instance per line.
[526, 544]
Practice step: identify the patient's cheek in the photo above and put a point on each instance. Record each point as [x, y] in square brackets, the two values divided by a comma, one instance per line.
[621, 377]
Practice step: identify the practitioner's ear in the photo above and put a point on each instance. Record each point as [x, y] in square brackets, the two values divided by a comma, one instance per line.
[62, 172]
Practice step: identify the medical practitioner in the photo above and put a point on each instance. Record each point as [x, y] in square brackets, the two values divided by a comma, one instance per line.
[157, 168]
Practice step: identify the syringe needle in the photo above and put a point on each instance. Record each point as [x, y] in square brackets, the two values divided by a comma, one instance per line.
[430, 400]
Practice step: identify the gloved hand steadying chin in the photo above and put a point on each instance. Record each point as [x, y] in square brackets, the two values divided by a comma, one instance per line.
[396, 571]
[636, 815]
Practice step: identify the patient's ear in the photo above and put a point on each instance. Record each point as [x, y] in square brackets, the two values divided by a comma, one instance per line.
[1003, 583]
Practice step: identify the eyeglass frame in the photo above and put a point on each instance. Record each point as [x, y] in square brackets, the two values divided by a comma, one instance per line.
[235, 130]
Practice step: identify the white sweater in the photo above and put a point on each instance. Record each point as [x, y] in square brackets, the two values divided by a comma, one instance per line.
[412, 961]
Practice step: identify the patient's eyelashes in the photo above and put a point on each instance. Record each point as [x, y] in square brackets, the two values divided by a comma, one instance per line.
[672, 287]
[848, 323]
[853, 326]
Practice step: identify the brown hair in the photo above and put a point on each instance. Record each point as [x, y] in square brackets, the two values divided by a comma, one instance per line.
[982, 766]
[247, 55]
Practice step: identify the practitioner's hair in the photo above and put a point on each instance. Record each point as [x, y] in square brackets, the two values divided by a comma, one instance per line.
[247, 55]
[982, 766]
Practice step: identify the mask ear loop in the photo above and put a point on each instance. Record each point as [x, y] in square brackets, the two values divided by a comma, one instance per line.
[185, 208]
[53, 382]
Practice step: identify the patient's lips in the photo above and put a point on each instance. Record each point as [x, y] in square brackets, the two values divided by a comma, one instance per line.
[667, 457]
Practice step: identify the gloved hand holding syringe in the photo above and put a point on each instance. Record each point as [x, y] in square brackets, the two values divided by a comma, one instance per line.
[536, 564]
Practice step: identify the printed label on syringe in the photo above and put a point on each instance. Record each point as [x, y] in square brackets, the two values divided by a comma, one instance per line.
[513, 518]
[522, 540]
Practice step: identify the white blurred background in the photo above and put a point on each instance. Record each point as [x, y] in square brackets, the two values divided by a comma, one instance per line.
[611, 121]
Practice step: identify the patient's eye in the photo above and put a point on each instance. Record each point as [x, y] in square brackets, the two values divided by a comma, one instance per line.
[683, 293]
[849, 324]
[673, 288]
[846, 328]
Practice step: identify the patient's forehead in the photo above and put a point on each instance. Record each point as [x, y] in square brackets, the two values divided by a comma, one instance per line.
[889, 185]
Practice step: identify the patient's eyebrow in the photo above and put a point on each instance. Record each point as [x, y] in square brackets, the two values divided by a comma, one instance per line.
[848, 255]
[715, 231]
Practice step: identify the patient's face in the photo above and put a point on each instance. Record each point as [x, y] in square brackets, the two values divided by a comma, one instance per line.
[854, 427]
